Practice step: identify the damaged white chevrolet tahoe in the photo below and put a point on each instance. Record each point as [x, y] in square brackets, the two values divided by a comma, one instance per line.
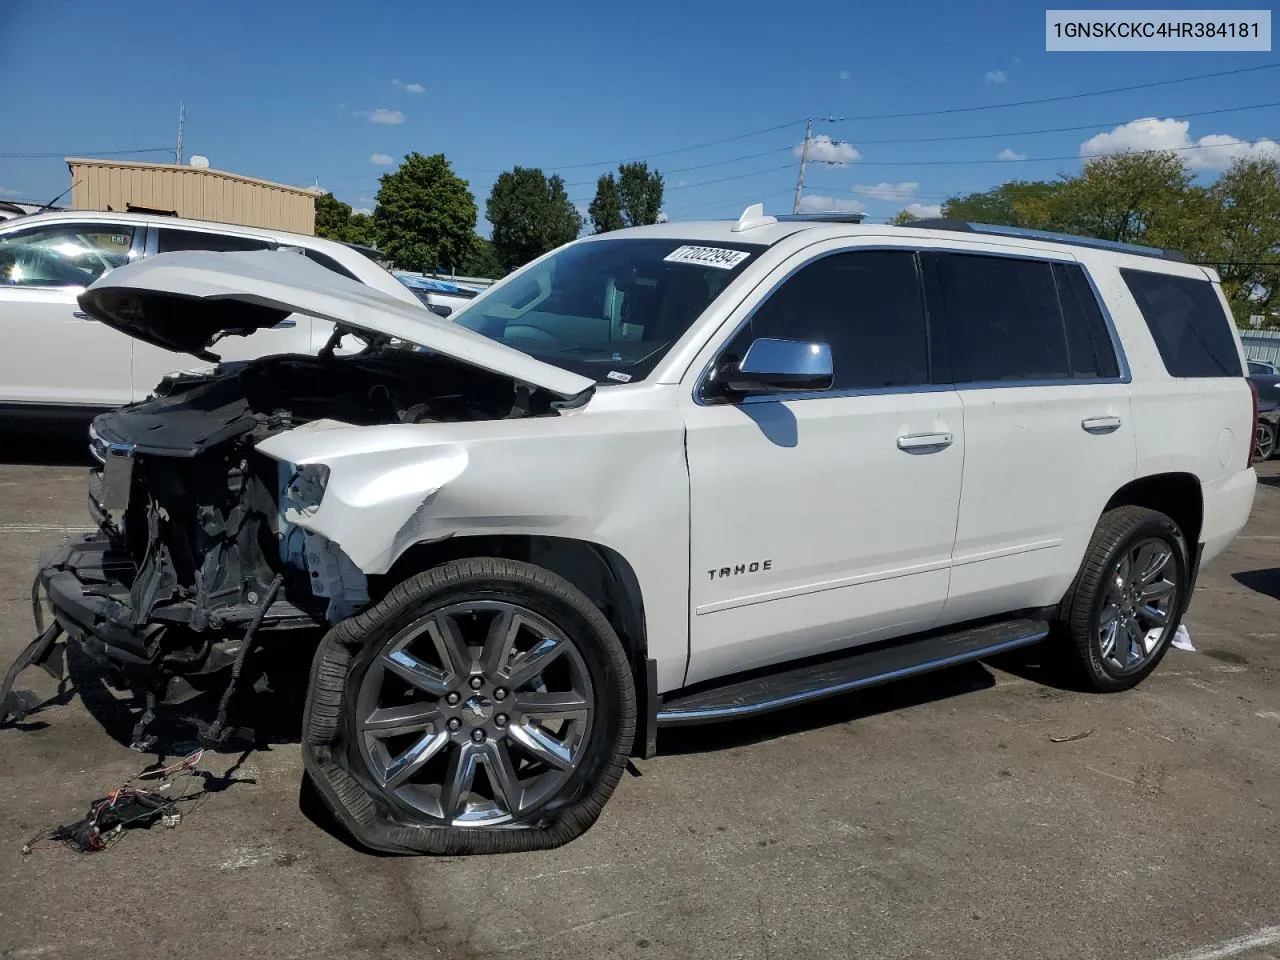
[669, 475]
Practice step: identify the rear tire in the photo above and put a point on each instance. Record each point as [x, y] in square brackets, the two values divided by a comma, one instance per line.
[1264, 441]
[483, 706]
[1121, 613]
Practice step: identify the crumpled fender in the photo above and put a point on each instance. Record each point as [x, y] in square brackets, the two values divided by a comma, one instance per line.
[373, 489]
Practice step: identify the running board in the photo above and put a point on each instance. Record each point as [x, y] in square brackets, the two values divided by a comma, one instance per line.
[879, 663]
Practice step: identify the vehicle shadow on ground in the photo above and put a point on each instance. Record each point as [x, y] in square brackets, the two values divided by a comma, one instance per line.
[56, 446]
[1266, 582]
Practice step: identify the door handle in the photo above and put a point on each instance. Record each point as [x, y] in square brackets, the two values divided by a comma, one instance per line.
[81, 315]
[925, 442]
[1100, 424]
[285, 324]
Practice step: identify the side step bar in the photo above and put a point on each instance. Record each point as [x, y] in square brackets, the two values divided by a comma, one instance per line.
[878, 663]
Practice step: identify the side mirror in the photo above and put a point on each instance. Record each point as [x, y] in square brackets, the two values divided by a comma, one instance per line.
[440, 310]
[779, 366]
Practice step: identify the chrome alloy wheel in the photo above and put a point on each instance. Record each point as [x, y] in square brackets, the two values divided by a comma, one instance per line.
[1264, 441]
[1138, 606]
[476, 713]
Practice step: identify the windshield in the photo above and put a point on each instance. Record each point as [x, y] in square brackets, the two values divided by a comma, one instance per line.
[608, 309]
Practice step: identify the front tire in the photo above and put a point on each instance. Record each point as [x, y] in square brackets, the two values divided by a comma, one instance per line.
[483, 706]
[1125, 605]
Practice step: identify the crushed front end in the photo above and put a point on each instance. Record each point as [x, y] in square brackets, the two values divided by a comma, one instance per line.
[194, 560]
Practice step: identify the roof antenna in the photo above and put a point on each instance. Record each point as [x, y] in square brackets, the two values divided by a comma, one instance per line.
[752, 217]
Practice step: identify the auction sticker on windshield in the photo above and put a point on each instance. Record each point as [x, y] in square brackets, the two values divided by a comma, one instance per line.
[707, 256]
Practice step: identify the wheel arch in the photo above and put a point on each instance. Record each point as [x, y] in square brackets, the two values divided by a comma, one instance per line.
[1176, 495]
[604, 575]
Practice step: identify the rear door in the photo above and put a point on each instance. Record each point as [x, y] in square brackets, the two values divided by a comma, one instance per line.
[151, 363]
[54, 354]
[1048, 431]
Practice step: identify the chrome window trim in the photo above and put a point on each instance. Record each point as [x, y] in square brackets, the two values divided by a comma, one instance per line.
[1038, 256]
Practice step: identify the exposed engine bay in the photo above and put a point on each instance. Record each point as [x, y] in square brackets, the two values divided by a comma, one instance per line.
[194, 560]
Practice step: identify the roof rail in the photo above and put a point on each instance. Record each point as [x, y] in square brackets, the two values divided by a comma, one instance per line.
[847, 216]
[1025, 233]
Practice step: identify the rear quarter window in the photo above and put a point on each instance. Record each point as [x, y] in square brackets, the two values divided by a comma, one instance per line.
[1191, 329]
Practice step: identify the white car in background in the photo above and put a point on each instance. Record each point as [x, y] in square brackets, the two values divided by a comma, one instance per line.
[60, 363]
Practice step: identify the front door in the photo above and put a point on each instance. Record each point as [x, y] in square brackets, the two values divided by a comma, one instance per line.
[820, 521]
[54, 354]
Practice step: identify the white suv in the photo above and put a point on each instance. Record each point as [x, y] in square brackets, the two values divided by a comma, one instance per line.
[668, 475]
[60, 362]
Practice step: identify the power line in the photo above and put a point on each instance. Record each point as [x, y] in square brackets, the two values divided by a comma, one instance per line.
[1083, 126]
[1063, 97]
[82, 153]
[949, 163]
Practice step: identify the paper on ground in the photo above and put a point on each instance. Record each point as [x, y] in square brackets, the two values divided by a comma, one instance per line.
[1182, 639]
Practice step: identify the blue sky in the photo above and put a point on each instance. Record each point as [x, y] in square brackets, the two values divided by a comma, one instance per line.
[295, 92]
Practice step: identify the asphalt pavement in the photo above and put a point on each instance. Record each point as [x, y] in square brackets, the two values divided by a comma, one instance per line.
[983, 812]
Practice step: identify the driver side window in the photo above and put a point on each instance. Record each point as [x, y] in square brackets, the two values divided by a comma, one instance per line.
[868, 306]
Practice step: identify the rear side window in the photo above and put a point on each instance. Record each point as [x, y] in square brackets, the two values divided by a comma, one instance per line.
[329, 263]
[1003, 317]
[1093, 353]
[1187, 322]
[174, 240]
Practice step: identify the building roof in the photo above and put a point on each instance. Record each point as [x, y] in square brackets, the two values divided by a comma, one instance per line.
[72, 162]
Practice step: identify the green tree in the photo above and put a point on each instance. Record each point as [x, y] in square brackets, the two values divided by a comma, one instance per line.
[333, 217]
[426, 216]
[1013, 204]
[605, 210]
[482, 261]
[531, 214]
[641, 192]
[903, 217]
[1128, 197]
[1245, 202]
[360, 229]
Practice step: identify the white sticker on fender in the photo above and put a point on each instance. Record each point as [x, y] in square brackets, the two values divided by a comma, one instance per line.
[707, 256]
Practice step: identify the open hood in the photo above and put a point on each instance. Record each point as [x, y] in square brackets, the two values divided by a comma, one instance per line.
[185, 301]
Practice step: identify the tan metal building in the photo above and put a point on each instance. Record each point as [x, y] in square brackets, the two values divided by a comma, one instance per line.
[188, 191]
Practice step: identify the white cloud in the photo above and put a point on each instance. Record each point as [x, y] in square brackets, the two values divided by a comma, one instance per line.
[383, 115]
[382, 160]
[682, 183]
[887, 191]
[367, 211]
[844, 74]
[925, 211]
[1215, 151]
[5, 192]
[811, 203]
[1008, 153]
[996, 76]
[822, 149]
[415, 88]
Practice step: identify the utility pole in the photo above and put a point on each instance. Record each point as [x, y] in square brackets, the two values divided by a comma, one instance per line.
[804, 160]
[182, 130]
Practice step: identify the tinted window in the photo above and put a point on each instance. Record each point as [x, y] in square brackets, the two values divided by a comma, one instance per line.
[172, 240]
[63, 254]
[609, 309]
[1004, 319]
[329, 263]
[866, 305]
[1186, 319]
[1093, 354]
